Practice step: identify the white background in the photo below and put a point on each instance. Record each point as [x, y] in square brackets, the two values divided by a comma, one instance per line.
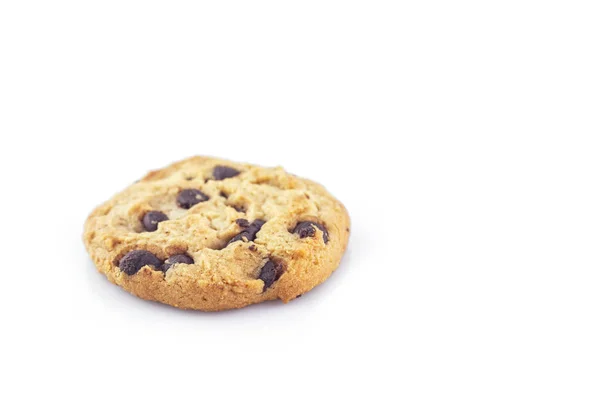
[462, 136]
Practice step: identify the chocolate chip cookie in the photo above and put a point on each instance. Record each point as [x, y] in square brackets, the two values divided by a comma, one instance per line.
[210, 234]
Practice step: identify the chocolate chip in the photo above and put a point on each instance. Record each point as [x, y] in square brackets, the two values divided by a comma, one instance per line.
[255, 226]
[190, 197]
[223, 194]
[252, 247]
[307, 228]
[136, 259]
[151, 220]
[242, 222]
[221, 172]
[269, 274]
[248, 233]
[240, 236]
[177, 259]
[239, 209]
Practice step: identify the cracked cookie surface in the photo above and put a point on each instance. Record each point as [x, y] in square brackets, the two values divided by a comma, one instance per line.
[211, 234]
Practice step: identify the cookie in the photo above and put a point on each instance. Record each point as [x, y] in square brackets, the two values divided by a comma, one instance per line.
[210, 234]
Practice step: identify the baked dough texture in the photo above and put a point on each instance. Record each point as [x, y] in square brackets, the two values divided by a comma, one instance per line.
[221, 235]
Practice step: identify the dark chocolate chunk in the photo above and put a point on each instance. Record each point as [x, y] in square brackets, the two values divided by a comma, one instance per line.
[249, 233]
[255, 227]
[190, 197]
[240, 236]
[177, 259]
[133, 261]
[151, 220]
[307, 228]
[242, 222]
[222, 172]
[269, 274]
